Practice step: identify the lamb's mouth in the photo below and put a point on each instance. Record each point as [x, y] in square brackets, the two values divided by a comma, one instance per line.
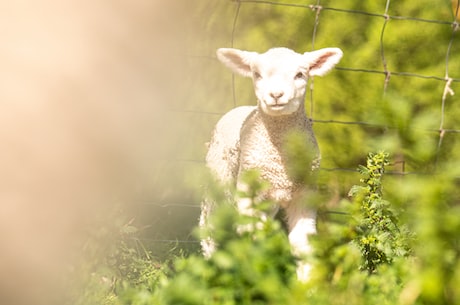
[277, 106]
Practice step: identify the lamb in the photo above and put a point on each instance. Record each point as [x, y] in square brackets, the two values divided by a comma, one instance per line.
[252, 137]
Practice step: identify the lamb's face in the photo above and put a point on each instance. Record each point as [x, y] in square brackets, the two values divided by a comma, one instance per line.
[280, 75]
[280, 78]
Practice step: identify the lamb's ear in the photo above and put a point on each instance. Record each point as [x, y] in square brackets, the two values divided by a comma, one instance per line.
[238, 61]
[322, 61]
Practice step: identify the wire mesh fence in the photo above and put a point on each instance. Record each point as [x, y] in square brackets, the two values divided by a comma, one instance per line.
[316, 13]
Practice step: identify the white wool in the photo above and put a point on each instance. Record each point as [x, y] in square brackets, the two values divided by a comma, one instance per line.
[253, 137]
[223, 150]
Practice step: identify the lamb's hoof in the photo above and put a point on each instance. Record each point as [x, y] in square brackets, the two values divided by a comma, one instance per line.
[303, 272]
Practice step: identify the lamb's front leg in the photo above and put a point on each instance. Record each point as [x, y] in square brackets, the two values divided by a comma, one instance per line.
[248, 206]
[302, 223]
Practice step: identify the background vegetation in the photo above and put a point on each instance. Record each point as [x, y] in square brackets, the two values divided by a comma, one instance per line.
[357, 108]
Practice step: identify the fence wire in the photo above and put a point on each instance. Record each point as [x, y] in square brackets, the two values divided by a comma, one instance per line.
[317, 7]
[388, 74]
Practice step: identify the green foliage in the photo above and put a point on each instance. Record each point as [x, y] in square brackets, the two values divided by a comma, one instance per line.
[113, 263]
[370, 250]
[361, 252]
[435, 217]
[407, 132]
[379, 237]
[253, 263]
[244, 270]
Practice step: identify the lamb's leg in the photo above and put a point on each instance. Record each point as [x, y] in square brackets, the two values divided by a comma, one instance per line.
[247, 206]
[208, 246]
[302, 223]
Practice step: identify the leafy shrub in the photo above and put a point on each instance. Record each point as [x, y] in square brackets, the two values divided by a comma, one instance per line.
[257, 267]
[251, 266]
[401, 250]
[380, 238]
[361, 253]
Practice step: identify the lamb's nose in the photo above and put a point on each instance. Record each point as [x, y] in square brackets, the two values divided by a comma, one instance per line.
[277, 94]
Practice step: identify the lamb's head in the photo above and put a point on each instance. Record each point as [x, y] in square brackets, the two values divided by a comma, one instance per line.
[280, 75]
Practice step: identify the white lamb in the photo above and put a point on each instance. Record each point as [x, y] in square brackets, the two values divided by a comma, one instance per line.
[251, 137]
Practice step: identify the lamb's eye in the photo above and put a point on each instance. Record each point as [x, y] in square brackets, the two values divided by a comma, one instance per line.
[257, 75]
[299, 75]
